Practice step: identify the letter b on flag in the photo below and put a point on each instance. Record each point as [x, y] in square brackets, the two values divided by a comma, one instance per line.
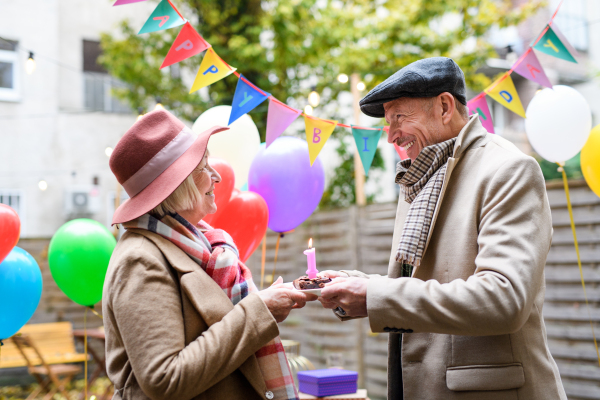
[316, 135]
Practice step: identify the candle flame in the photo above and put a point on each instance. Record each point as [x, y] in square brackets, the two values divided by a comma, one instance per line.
[310, 243]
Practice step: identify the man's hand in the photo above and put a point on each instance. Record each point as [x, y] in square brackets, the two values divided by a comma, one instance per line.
[333, 274]
[348, 293]
[280, 300]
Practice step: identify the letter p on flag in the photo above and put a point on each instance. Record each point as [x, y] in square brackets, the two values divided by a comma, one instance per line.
[187, 44]
[212, 69]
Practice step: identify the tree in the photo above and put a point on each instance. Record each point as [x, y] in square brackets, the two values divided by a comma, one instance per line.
[287, 47]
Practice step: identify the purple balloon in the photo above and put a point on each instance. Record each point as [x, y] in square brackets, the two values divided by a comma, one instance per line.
[282, 175]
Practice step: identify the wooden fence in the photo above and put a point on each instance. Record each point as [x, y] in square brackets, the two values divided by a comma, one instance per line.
[360, 238]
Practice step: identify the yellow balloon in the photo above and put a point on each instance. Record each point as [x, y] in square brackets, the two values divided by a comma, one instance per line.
[590, 160]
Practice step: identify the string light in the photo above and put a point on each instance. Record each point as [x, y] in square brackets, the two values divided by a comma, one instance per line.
[342, 78]
[108, 151]
[308, 110]
[360, 86]
[158, 105]
[43, 185]
[30, 64]
[314, 98]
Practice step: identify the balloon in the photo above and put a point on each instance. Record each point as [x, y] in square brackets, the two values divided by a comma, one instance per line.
[20, 291]
[558, 123]
[282, 175]
[237, 146]
[245, 218]
[78, 256]
[10, 228]
[223, 189]
[590, 160]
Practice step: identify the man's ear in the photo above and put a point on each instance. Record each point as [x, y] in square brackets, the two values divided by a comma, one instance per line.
[448, 107]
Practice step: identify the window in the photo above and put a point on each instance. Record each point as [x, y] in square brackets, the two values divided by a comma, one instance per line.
[9, 71]
[14, 199]
[98, 83]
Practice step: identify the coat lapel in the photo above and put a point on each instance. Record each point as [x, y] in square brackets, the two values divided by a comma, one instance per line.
[207, 297]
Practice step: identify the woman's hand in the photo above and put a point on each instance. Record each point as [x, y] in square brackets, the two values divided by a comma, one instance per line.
[333, 274]
[280, 300]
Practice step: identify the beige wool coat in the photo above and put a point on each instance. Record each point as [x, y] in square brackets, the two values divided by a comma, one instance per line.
[471, 313]
[172, 333]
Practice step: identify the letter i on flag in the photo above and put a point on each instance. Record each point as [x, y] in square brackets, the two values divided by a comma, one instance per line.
[366, 144]
[212, 69]
[163, 17]
[504, 92]
[530, 68]
[317, 132]
[188, 44]
[554, 43]
[279, 117]
[479, 106]
[246, 97]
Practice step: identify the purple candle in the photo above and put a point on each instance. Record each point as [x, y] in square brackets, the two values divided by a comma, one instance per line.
[311, 261]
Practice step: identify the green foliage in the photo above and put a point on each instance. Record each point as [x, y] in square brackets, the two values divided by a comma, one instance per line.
[572, 168]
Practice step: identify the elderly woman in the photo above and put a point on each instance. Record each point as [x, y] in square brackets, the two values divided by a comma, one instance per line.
[183, 318]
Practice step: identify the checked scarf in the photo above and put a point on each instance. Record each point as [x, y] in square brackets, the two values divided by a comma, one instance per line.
[421, 182]
[215, 251]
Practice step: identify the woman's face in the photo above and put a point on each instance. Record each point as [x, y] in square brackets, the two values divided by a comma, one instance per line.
[205, 182]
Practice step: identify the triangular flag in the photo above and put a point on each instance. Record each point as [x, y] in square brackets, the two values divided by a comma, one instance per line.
[480, 106]
[504, 92]
[279, 117]
[564, 40]
[212, 69]
[187, 44]
[366, 144]
[163, 17]
[530, 68]
[551, 44]
[123, 2]
[317, 132]
[400, 150]
[246, 97]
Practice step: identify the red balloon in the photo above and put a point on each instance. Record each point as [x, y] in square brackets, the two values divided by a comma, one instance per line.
[10, 228]
[223, 189]
[245, 218]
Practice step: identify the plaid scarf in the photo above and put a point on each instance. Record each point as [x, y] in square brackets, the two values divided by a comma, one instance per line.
[421, 182]
[215, 251]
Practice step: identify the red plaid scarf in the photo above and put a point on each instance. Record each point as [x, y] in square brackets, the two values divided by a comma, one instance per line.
[215, 251]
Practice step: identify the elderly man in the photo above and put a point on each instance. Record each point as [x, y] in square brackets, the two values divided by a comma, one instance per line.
[463, 297]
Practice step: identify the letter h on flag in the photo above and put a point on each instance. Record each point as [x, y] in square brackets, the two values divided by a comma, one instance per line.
[246, 97]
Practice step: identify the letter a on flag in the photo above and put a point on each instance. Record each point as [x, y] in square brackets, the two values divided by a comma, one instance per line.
[552, 44]
[280, 116]
[317, 132]
[479, 106]
[212, 69]
[366, 144]
[163, 17]
[504, 92]
[530, 68]
[246, 97]
[188, 44]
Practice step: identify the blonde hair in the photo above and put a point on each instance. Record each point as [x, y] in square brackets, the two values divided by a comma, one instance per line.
[184, 198]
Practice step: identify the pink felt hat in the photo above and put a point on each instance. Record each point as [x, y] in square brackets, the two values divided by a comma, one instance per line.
[152, 159]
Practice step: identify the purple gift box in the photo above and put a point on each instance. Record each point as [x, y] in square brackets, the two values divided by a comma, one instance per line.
[328, 382]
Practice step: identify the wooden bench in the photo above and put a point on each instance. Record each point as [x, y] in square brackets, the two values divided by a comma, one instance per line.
[54, 341]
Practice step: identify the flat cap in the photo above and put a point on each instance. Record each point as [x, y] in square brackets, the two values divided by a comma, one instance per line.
[424, 78]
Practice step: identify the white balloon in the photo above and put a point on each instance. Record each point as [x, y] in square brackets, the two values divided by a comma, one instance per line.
[237, 146]
[558, 123]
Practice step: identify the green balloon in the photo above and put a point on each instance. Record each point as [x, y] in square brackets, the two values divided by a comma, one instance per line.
[78, 256]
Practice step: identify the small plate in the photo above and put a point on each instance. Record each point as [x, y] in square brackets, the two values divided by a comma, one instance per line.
[290, 285]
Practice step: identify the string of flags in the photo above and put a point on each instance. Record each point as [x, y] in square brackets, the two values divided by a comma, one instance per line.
[280, 116]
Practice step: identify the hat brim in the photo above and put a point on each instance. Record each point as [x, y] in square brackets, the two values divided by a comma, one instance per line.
[166, 183]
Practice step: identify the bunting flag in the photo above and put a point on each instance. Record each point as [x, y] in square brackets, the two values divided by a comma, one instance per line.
[366, 144]
[479, 106]
[212, 69]
[401, 152]
[279, 117]
[123, 2]
[163, 17]
[551, 44]
[564, 40]
[246, 98]
[530, 68]
[504, 92]
[317, 132]
[187, 44]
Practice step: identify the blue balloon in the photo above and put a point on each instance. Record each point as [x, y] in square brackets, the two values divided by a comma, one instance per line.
[20, 291]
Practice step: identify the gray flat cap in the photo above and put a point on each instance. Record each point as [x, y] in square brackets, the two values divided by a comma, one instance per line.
[424, 78]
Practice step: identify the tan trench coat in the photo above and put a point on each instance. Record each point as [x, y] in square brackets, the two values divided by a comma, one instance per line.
[172, 333]
[472, 311]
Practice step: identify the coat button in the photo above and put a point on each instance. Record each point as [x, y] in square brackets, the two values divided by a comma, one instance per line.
[269, 395]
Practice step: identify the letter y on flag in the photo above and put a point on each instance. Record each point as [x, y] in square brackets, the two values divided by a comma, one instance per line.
[247, 96]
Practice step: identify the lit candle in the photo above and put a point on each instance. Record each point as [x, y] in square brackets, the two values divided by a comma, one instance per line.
[310, 261]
